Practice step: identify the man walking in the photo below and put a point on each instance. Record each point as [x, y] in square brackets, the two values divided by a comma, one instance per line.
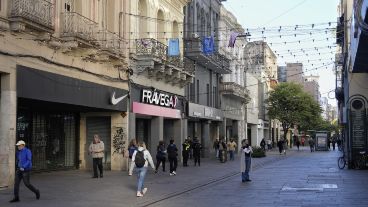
[24, 167]
[96, 149]
[172, 152]
[216, 146]
[186, 149]
[311, 144]
[196, 151]
[232, 147]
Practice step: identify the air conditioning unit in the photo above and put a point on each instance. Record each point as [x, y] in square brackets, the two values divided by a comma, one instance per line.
[195, 35]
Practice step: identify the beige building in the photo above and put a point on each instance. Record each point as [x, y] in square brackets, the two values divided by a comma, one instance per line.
[152, 25]
[261, 63]
[64, 77]
[234, 95]
[311, 86]
[294, 73]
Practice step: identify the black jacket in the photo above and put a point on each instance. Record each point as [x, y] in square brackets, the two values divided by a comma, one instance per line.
[172, 150]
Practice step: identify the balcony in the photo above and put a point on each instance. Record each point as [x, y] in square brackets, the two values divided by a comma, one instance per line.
[35, 14]
[110, 43]
[216, 62]
[339, 59]
[234, 90]
[78, 28]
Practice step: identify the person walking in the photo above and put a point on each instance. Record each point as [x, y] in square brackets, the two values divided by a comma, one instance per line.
[222, 151]
[141, 159]
[246, 161]
[96, 149]
[280, 145]
[160, 156]
[263, 144]
[131, 148]
[23, 171]
[172, 152]
[186, 149]
[311, 144]
[297, 143]
[216, 146]
[232, 146]
[333, 143]
[269, 144]
[196, 151]
[328, 143]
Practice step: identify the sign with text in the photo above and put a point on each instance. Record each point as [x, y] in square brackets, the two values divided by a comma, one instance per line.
[159, 98]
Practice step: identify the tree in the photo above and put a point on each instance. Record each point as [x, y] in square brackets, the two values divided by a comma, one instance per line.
[289, 104]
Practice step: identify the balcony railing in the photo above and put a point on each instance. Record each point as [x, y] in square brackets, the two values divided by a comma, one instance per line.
[175, 61]
[76, 25]
[38, 12]
[215, 61]
[110, 41]
[234, 89]
[151, 47]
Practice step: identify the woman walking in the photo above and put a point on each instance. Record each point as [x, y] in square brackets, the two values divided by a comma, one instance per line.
[131, 149]
[141, 158]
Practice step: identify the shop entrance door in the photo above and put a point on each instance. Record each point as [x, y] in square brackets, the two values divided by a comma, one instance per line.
[102, 127]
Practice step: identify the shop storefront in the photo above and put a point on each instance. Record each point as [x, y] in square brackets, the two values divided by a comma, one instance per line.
[57, 117]
[204, 123]
[156, 115]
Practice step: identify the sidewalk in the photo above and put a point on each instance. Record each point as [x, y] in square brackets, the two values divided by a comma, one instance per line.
[76, 188]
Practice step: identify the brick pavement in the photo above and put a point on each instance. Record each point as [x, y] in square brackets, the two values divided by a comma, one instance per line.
[278, 180]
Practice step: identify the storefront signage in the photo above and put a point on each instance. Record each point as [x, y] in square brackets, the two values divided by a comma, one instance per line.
[204, 112]
[158, 98]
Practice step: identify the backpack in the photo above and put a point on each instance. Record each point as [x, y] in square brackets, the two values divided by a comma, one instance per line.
[139, 159]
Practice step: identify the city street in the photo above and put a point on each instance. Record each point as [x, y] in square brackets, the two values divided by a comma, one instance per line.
[297, 179]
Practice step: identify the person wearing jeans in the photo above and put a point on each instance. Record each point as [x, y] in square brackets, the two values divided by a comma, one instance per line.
[142, 171]
[246, 161]
[96, 149]
[24, 167]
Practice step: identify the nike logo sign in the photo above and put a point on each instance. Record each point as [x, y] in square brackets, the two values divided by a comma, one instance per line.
[115, 101]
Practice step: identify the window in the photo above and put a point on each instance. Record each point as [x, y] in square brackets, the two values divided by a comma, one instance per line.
[214, 92]
[67, 7]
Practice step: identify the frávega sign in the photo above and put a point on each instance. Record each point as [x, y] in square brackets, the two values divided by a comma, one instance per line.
[158, 98]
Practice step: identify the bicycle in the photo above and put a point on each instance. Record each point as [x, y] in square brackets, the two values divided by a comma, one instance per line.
[362, 162]
[341, 162]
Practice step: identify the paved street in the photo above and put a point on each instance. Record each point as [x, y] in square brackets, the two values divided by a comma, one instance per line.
[297, 179]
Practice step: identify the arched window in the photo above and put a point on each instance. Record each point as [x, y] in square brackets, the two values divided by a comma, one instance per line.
[161, 26]
[175, 30]
[142, 16]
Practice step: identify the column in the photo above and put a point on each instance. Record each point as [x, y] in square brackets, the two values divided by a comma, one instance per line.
[157, 133]
[178, 136]
[206, 144]
[254, 134]
[222, 130]
[131, 128]
[8, 104]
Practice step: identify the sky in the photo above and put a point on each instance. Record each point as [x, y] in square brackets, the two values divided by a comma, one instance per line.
[306, 34]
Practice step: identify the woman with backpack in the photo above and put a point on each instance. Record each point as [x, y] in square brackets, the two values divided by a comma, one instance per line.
[160, 156]
[142, 158]
[172, 152]
[132, 147]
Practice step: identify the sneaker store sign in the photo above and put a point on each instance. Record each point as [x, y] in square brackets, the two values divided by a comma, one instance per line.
[158, 98]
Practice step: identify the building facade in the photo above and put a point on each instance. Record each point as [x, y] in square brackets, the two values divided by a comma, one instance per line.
[63, 65]
[157, 103]
[261, 62]
[352, 74]
[311, 86]
[201, 43]
[234, 95]
[294, 73]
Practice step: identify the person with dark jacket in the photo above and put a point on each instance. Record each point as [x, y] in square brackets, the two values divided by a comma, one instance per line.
[172, 152]
[263, 144]
[280, 144]
[196, 151]
[24, 167]
[186, 149]
[160, 156]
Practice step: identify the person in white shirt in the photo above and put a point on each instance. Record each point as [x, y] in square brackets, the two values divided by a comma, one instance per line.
[141, 169]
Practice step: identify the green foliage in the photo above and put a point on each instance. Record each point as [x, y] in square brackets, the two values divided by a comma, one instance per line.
[289, 104]
[258, 152]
